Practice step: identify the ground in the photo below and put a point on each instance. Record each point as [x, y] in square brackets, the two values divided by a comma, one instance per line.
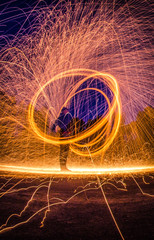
[86, 215]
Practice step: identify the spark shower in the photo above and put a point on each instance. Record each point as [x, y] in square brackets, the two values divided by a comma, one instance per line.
[109, 38]
[91, 56]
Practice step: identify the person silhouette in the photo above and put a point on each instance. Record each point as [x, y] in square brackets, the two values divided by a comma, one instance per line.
[62, 122]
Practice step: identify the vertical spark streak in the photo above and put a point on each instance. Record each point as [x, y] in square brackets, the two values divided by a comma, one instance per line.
[106, 201]
[48, 202]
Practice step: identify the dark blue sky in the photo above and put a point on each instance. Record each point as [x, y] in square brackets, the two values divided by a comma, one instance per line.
[89, 104]
[13, 14]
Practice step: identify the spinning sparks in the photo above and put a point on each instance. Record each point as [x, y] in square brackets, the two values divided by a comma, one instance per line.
[107, 126]
[89, 59]
[95, 60]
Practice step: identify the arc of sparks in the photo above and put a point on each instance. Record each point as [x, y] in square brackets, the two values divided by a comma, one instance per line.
[111, 119]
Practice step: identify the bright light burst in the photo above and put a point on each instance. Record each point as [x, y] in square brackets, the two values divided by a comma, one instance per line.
[107, 126]
[97, 57]
[51, 57]
[76, 171]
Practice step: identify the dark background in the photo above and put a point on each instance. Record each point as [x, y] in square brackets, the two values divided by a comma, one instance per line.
[86, 216]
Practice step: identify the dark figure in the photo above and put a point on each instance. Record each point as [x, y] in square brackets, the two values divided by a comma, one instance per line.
[63, 122]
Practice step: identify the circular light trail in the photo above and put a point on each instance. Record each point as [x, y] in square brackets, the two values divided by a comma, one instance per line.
[100, 135]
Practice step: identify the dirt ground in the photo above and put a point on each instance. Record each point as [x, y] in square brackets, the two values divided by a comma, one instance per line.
[85, 216]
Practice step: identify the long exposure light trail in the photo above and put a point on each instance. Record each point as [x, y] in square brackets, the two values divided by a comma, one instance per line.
[95, 58]
[111, 118]
[76, 171]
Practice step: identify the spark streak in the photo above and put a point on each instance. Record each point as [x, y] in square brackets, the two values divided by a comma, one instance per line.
[65, 49]
[75, 171]
[110, 123]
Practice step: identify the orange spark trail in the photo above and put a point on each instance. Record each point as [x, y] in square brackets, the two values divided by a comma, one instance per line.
[110, 122]
[75, 171]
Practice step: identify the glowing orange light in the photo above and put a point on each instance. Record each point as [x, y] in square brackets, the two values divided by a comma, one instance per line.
[75, 171]
[106, 127]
